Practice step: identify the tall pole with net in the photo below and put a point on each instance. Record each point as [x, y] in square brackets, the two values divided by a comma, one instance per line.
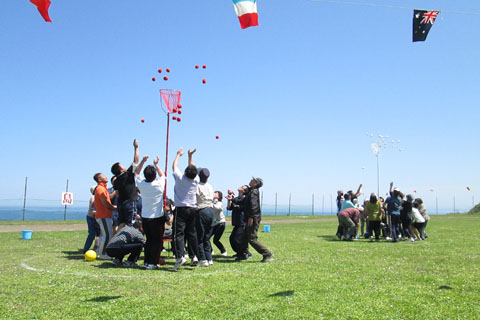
[170, 101]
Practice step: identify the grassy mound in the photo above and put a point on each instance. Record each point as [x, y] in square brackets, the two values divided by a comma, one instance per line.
[475, 210]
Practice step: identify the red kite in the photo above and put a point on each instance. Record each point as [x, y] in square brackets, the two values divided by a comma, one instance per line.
[42, 6]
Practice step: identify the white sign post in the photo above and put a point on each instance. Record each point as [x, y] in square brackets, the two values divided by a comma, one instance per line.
[67, 198]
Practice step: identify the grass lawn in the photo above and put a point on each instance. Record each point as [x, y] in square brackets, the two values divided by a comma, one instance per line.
[314, 276]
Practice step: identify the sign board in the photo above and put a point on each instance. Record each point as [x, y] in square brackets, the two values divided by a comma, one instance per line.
[67, 198]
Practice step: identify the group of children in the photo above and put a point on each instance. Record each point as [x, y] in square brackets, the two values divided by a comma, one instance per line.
[194, 216]
[397, 217]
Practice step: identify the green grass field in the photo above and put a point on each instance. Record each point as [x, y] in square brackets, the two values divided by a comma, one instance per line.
[314, 276]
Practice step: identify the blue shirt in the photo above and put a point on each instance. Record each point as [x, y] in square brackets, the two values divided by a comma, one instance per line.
[393, 205]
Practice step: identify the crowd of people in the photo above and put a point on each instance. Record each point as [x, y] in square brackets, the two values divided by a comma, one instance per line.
[397, 217]
[134, 215]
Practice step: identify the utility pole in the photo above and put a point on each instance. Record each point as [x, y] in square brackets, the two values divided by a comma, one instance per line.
[25, 198]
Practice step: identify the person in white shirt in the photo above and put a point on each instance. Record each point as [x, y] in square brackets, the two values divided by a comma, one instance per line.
[219, 222]
[416, 226]
[185, 200]
[204, 218]
[151, 187]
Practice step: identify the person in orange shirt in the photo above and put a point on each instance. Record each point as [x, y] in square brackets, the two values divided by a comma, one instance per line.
[103, 214]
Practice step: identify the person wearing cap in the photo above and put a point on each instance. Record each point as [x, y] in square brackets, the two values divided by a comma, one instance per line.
[394, 203]
[254, 215]
[185, 193]
[204, 217]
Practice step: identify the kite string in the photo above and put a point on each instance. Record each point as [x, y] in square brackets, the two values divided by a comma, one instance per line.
[365, 4]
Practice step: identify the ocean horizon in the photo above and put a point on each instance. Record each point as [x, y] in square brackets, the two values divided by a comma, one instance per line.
[16, 213]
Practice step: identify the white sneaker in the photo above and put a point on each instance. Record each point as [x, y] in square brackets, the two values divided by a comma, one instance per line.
[225, 253]
[149, 266]
[411, 240]
[180, 262]
[194, 261]
[213, 252]
[210, 262]
[203, 263]
[388, 238]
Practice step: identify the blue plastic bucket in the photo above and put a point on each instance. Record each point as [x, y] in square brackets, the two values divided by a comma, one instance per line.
[27, 234]
[266, 228]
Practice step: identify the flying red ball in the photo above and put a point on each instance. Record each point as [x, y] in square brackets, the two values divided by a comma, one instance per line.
[217, 137]
[178, 119]
[153, 79]
[168, 70]
[179, 111]
[174, 118]
[143, 121]
[174, 110]
[204, 66]
[204, 81]
[159, 70]
[196, 66]
[165, 78]
[179, 106]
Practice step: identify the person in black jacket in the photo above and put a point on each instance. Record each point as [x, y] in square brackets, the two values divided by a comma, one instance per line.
[254, 216]
[238, 241]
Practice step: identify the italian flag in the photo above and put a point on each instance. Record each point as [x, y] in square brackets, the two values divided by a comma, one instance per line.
[247, 12]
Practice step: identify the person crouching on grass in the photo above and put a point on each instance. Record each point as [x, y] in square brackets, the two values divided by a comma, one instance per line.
[348, 219]
[128, 240]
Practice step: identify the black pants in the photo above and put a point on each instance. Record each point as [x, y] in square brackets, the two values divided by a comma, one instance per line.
[395, 226]
[405, 224]
[217, 232]
[374, 227]
[154, 229]
[252, 237]
[238, 240]
[204, 221]
[134, 249]
[184, 227]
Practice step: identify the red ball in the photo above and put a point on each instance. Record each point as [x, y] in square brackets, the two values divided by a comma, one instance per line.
[196, 66]
[174, 118]
[204, 81]
[159, 70]
[217, 137]
[174, 110]
[143, 120]
[179, 111]
[168, 70]
[179, 106]
[165, 78]
[153, 79]
[178, 119]
[204, 66]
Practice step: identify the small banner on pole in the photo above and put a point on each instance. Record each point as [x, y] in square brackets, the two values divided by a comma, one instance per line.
[67, 198]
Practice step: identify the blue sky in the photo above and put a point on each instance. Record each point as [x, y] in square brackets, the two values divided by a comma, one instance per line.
[291, 100]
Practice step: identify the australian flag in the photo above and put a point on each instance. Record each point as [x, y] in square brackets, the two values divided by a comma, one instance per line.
[423, 21]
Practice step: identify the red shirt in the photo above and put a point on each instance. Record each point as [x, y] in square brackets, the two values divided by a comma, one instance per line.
[101, 192]
[351, 213]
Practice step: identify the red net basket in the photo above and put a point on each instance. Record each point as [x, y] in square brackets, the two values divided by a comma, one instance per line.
[170, 98]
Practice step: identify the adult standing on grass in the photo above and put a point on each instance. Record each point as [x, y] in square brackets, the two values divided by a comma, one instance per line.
[219, 222]
[204, 218]
[348, 219]
[127, 193]
[254, 216]
[185, 200]
[394, 203]
[153, 219]
[93, 227]
[239, 221]
[418, 203]
[103, 214]
[374, 211]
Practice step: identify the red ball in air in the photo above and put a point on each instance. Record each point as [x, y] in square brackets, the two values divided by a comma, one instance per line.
[174, 118]
[174, 110]
[196, 66]
[204, 66]
[153, 79]
[168, 70]
[159, 70]
[179, 106]
[179, 111]
[217, 137]
[204, 81]
[165, 78]
[143, 121]
[178, 119]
